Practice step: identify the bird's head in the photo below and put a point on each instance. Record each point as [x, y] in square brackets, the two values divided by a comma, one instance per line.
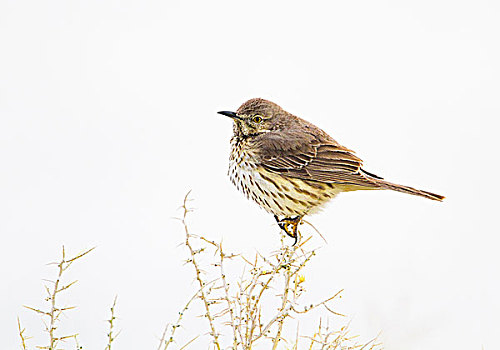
[257, 116]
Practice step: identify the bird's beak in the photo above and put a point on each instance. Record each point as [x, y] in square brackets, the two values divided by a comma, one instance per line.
[229, 114]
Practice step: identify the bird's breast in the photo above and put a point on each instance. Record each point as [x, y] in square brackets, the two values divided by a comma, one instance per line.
[275, 193]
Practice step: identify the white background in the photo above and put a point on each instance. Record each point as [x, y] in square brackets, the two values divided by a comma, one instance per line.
[108, 117]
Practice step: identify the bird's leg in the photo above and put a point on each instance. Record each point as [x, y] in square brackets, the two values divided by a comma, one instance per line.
[289, 225]
[281, 224]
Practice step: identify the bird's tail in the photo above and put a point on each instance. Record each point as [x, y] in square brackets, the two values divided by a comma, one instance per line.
[410, 190]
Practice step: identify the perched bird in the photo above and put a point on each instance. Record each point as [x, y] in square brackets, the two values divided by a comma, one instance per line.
[291, 167]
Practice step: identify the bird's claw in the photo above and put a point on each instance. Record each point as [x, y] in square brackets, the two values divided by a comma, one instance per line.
[290, 225]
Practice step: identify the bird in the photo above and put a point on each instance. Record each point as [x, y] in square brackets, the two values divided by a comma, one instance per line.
[292, 168]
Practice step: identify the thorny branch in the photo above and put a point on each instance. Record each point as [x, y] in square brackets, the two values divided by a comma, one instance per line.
[22, 335]
[243, 308]
[256, 308]
[111, 321]
[203, 295]
[54, 312]
[177, 324]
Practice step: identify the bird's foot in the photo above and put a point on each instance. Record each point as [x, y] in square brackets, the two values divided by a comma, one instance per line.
[289, 225]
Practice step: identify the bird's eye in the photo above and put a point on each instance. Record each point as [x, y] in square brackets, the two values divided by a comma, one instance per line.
[257, 119]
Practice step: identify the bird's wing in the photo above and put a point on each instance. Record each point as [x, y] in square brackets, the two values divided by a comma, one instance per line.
[315, 160]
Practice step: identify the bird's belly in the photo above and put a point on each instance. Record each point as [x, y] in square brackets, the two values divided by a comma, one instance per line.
[277, 194]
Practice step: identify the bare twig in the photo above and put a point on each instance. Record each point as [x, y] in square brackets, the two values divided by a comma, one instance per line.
[227, 298]
[177, 324]
[22, 335]
[284, 301]
[111, 336]
[208, 315]
[54, 312]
